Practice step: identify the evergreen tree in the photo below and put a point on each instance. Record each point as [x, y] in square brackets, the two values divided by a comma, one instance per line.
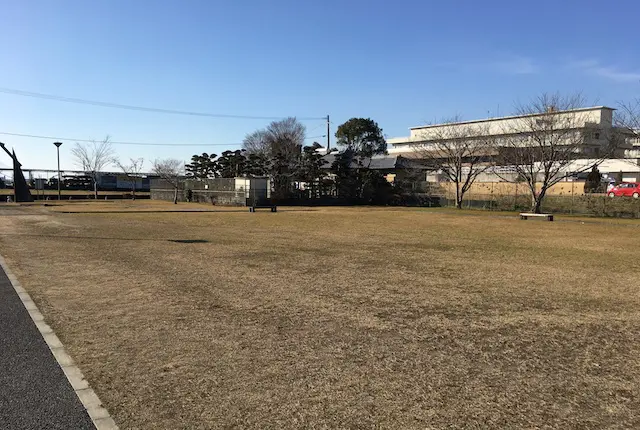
[232, 164]
[361, 139]
[202, 166]
[258, 164]
[593, 181]
[346, 177]
[310, 170]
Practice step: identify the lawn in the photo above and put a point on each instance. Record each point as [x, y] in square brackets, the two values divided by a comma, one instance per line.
[338, 317]
[54, 193]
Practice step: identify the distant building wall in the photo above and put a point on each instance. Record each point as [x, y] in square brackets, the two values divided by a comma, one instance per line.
[599, 115]
[634, 151]
[593, 126]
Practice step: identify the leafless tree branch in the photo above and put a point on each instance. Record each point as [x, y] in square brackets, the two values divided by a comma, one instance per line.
[285, 137]
[628, 117]
[92, 158]
[458, 151]
[172, 171]
[256, 143]
[131, 170]
[548, 138]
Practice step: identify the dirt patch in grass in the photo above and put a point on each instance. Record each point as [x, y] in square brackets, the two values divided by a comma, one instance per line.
[339, 317]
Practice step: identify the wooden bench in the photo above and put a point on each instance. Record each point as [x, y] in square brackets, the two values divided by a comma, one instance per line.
[549, 217]
[273, 208]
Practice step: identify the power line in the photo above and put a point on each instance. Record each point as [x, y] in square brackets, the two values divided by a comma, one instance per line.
[114, 142]
[140, 108]
[315, 128]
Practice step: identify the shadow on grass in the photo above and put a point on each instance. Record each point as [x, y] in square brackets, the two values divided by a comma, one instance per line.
[188, 240]
[175, 211]
[133, 239]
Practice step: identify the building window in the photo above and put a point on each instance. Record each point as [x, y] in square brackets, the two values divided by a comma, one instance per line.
[543, 122]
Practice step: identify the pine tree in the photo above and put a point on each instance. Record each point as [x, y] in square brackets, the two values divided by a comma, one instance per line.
[593, 181]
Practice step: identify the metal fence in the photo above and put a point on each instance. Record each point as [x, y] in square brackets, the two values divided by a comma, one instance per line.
[218, 191]
[568, 198]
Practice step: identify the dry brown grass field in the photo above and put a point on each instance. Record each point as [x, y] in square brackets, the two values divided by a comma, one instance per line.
[66, 193]
[338, 317]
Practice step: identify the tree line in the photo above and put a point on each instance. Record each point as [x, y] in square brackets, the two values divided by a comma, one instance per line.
[278, 152]
[538, 150]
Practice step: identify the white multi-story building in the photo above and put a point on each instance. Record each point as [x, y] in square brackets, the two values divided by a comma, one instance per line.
[634, 150]
[593, 124]
[590, 130]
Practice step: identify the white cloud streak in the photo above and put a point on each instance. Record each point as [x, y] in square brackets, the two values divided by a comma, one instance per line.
[595, 68]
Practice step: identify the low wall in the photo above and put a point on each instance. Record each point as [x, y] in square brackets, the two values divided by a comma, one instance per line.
[226, 198]
[507, 188]
[218, 191]
[166, 194]
[229, 198]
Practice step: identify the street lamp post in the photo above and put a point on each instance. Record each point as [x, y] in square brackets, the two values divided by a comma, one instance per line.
[57, 144]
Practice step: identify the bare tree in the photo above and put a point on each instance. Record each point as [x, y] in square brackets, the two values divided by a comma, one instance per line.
[256, 143]
[281, 144]
[132, 171]
[172, 171]
[458, 151]
[628, 117]
[548, 138]
[285, 137]
[92, 158]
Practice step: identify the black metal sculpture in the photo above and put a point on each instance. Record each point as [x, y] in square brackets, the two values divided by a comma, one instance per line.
[21, 191]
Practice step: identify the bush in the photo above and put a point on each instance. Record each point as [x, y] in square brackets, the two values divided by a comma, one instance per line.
[598, 205]
[593, 205]
[593, 183]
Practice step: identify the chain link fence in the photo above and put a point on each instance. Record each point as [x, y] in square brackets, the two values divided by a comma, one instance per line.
[218, 191]
[565, 198]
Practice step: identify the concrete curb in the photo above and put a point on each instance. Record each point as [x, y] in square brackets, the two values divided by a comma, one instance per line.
[98, 413]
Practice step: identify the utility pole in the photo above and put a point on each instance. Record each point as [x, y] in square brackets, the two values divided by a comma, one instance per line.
[328, 134]
[57, 144]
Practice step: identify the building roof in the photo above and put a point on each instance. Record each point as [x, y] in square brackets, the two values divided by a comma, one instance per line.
[499, 118]
[377, 162]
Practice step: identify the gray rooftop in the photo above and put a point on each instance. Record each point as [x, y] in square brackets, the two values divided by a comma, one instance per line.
[377, 162]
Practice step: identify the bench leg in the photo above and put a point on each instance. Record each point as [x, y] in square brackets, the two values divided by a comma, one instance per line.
[550, 217]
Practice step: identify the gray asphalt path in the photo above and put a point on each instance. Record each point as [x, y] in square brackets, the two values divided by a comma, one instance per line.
[34, 392]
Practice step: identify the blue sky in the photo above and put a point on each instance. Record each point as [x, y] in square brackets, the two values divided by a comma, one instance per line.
[402, 63]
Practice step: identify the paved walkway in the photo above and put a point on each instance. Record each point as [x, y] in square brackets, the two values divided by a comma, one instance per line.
[34, 391]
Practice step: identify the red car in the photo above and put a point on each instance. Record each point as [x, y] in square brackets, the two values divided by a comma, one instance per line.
[629, 189]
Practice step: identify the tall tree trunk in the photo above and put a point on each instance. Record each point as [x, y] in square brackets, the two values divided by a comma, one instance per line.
[175, 195]
[95, 188]
[537, 206]
[458, 197]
